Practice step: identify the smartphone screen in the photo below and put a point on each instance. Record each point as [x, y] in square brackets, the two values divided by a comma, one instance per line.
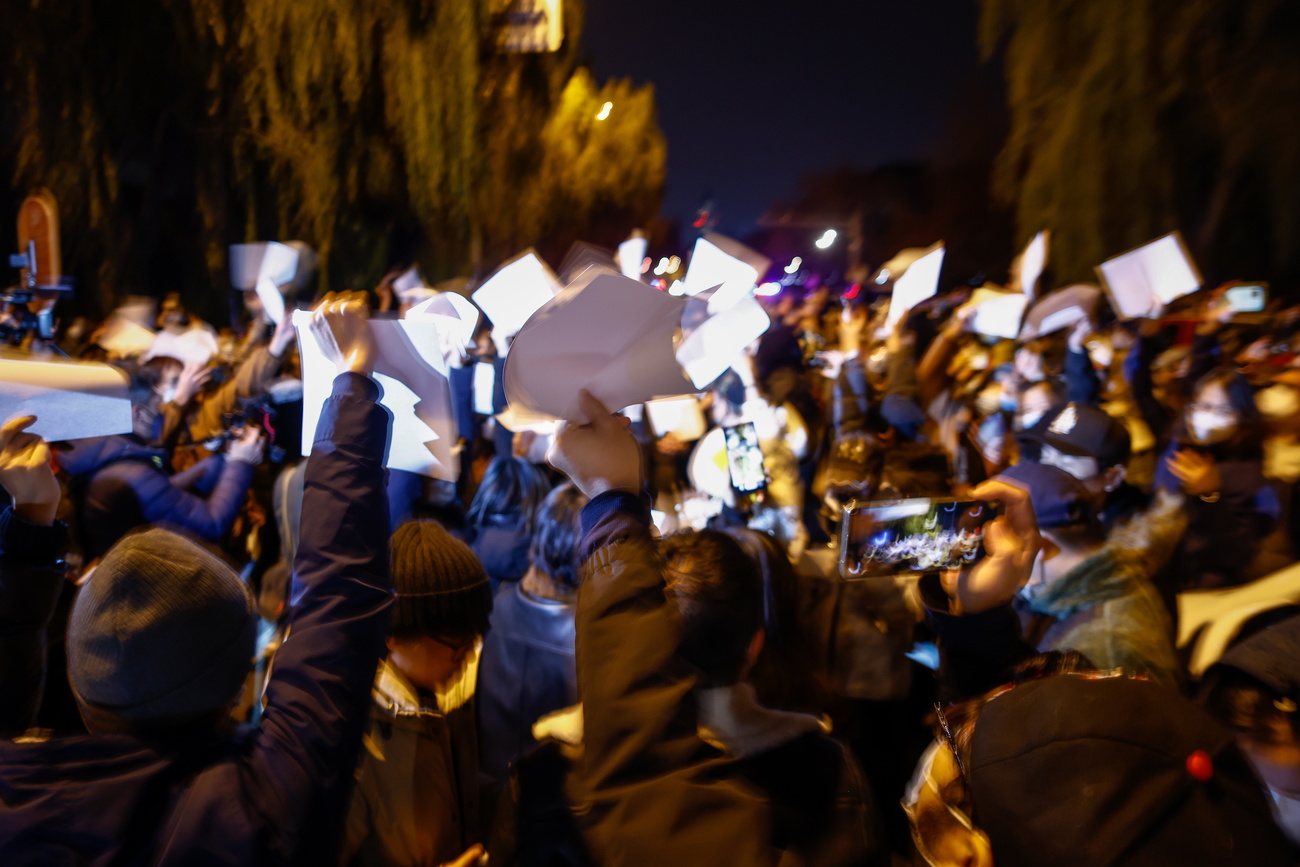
[745, 459]
[1248, 299]
[889, 537]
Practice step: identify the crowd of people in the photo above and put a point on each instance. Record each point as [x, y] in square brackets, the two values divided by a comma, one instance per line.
[217, 650]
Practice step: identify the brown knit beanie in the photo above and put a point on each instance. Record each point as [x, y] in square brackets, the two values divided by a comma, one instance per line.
[442, 589]
[163, 631]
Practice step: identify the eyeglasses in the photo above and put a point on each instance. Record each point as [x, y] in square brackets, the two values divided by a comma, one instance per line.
[1212, 408]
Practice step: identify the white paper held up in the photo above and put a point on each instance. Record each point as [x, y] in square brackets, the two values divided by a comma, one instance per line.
[456, 318]
[1032, 263]
[195, 346]
[999, 315]
[713, 338]
[610, 335]
[919, 282]
[123, 337]
[513, 293]
[631, 254]
[264, 266]
[1060, 310]
[71, 400]
[412, 373]
[680, 416]
[1148, 277]
[719, 261]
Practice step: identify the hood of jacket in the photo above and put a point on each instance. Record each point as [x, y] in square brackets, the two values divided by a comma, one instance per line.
[1108, 574]
[88, 455]
[1271, 657]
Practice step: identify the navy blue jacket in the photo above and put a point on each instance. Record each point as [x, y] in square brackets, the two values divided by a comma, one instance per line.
[272, 795]
[120, 483]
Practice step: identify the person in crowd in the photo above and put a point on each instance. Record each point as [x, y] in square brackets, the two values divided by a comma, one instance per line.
[1253, 690]
[502, 517]
[159, 646]
[1088, 595]
[528, 668]
[1215, 462]
[416, 800]
[120, 482]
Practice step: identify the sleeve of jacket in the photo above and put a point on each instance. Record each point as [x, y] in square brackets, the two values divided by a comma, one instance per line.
[31, 576]
[201, 478]
[1137, 369]
[1080, 379]
[301, 764]
[976, 651]
[209, 518]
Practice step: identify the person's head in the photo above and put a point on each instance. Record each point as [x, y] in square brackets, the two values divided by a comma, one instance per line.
[442, 607]
[253, 305]
[719, 593]
[1066, 521]
[161, 637]
[145, 400]
[1036, 400]
[166, 373]
[554, 551]
[511, 487]
[1087, 443]
[1040, 358]
[1222, 409]
[1091, 769]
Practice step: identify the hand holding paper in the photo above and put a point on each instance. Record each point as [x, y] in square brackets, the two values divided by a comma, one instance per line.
[596, 450]
[71, 400]
[341, 326]
[25, 472]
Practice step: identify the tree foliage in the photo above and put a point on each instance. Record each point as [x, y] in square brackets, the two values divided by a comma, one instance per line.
[374, 130]
[1130, 118]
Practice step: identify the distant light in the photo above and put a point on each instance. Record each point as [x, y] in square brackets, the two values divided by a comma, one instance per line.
[674, 264]
[659, 284]
[853, 291]
[662, 267]
[767, 290]
[883, 277]
[645, 265]
[605, 110]
[678, 288]
[827, 239]
[793, 267]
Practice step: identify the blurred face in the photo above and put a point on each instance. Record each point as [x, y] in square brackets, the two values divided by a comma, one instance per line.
[430, 663]
[253, 304]
[1029, 365]
[1034, 404]
[1211, 417]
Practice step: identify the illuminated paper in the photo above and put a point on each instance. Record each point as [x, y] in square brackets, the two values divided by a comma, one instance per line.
[456, 318]
[71, 400]
[413, 376]
[195, 346]
[1060, 310]
[1032, 262]
[264, 266]
[707, 467]
[1141, 281]
[515, 423]
[516, 291]
[631, 255]
[582, 256]
[123, 337]
[998, 314]
[610, 335]
[681, 417]
[919, 282]
[719, 261]
[714, 337]
[485, 378]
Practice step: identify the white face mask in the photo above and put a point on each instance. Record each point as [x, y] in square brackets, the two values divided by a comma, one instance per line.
[1286, 810]
[1030, 419]
[1210, 428]
[168, 394]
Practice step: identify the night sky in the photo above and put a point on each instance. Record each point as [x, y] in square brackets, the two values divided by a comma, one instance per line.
[752, 95]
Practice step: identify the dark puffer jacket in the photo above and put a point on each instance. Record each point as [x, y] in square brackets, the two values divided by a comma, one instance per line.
[277, 794]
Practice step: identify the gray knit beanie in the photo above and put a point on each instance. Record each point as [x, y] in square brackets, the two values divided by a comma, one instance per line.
[442, 588]
[163, 630]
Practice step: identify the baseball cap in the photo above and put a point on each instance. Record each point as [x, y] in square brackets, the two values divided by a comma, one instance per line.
[1084, 431]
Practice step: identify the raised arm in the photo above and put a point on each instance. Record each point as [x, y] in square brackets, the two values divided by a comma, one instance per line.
[299, 770]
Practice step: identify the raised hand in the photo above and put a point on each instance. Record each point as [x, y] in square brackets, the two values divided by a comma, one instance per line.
[25, 472]
[284, 334]
[597, 451]
[1011, 544]
[249, 448]
[341, 324]
[1198, 473]
[194, 375]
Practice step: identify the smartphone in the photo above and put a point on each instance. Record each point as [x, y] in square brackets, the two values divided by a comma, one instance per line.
[745, 460]
[1248, 298]
[887, 537]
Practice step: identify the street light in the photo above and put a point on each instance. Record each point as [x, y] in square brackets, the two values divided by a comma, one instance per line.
[825, 241]
[793, 267]
[605, 110]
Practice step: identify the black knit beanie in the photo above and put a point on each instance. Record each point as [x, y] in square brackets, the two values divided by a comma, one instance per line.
[442, 589]
[162, 631]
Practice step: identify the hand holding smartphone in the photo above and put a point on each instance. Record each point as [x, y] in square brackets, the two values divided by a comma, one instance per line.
[883, 538]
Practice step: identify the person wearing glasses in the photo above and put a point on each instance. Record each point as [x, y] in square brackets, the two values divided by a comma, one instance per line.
[416, 801]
